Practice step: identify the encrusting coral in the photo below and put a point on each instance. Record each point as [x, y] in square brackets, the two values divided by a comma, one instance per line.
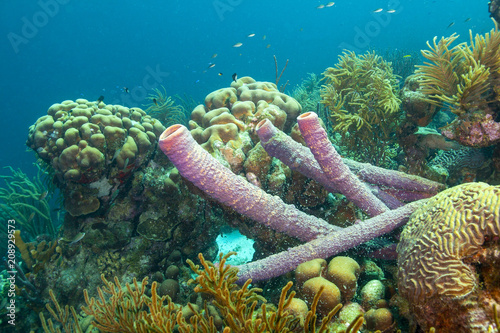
[448, 259]
[361, 93]
[466, 79]
[93, 148]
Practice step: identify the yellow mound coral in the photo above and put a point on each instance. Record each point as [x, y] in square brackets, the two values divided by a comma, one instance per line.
[448, 258]
[361, 93]
[93, 146]
[224, 124]
[466, 79]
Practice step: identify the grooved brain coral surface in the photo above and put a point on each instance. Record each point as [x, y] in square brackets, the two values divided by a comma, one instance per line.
[441, 238]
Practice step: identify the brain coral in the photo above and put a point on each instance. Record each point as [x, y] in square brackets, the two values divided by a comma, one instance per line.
[92, 147]
[449, 256]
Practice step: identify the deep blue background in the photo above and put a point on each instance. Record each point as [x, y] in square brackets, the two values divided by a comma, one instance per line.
[91, 48]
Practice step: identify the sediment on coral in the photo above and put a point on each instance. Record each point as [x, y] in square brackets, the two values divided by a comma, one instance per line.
[361, 94]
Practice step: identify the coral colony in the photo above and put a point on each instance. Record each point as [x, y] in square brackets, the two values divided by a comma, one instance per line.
[365, 210]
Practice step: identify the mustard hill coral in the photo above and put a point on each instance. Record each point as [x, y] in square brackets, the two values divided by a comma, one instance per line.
[465, 78]
[448, 259]
[93, 147]
[361, 93]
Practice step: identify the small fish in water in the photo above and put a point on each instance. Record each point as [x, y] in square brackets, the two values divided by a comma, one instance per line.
[251, 35]
[264, 37]
[268, 46]
[407, 56]
[450, 25]
[390, 11]
[467, 19]
[126, 163]
[320, 7]
[214, 55]
[211, 65]
[75, 240]
[155, 101]
[125, 89]
[43, 195]
[100, 99]
[220, 74]
[117, 152]
[237, 44]
[78, 238]
[235, 77]
[378, 10]
[32, 216]
[330, 4]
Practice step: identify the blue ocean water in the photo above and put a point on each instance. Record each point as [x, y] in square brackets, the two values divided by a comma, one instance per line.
[53, 50]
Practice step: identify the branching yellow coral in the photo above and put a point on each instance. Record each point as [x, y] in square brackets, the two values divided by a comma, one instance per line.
[463, 75]
[466, 79]
[128, 309]
[361, 95]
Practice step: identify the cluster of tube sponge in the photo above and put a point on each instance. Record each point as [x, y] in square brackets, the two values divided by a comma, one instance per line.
[321, 163]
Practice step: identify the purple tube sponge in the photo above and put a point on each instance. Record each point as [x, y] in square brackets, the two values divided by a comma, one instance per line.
[205, 172]
[300, 159]
[328, 245]
[336, 171]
